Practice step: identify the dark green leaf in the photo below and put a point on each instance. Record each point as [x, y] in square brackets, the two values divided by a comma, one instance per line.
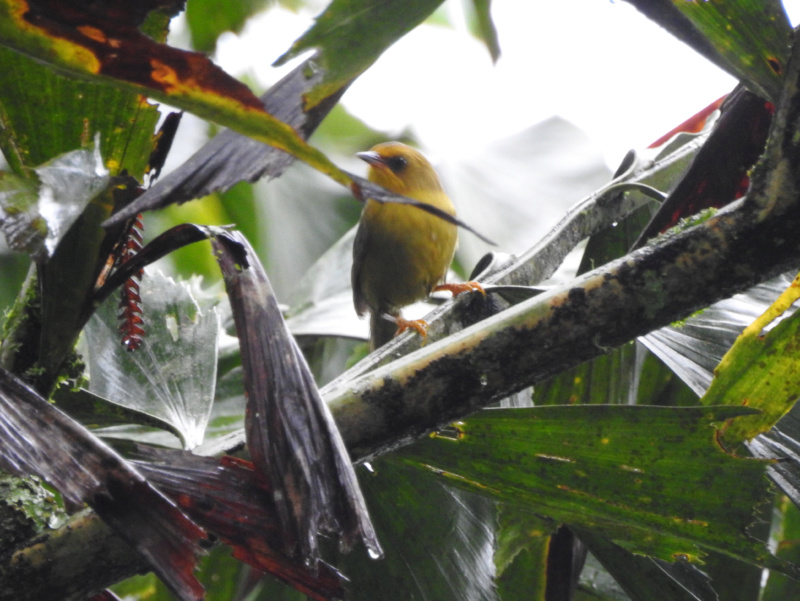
[13, 269]
[45, 114]
[608, 379]
[732, 578]
[751, 36]
[658, 384]
[521, 555]
[616, 241]
[627, 472]
[647, 579]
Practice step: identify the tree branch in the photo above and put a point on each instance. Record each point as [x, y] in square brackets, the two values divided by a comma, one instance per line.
[72, 562]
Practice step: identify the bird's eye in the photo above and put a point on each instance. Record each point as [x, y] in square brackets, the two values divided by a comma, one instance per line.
[396, 163]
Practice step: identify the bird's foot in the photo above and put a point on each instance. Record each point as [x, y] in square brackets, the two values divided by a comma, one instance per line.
[420, 325]
[457, 289]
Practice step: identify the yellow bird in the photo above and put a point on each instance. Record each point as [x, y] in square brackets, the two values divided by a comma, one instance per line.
[401, 252]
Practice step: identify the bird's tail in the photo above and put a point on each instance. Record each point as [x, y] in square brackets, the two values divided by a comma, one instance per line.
[381, 330]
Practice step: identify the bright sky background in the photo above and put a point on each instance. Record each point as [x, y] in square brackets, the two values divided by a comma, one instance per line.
[599, 64]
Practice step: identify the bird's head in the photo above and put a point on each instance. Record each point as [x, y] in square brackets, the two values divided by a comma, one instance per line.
[400, 169]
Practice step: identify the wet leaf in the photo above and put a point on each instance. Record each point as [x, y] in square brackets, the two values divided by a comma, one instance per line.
[439, 542]
[625, 472]
[39, 439]
[290, 432]
[43, 115]
[38, 126]
[751, 36]
[227, 413]
[171, 377]
[35, 214]
[228, 498]
[782, 445]
[761, 371]
[608, 379]
[94, 411]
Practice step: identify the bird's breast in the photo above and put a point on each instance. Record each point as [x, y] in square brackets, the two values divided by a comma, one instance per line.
[409, 252]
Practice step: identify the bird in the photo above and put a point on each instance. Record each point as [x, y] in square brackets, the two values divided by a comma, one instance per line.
[401, 252]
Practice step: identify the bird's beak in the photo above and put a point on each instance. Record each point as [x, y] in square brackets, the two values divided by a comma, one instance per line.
[371, 157]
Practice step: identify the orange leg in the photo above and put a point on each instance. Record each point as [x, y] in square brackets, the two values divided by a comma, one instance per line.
[420, 325]
[457, 289]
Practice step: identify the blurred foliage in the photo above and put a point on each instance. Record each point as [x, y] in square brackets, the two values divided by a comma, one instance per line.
[207, 20]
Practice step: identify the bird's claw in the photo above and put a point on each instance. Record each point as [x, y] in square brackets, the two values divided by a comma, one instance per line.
[419, 325]
[456, 289]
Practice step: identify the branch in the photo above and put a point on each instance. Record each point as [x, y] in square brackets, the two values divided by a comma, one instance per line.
[72, 562]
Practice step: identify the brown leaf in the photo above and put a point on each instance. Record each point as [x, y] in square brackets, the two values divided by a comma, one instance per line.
[292, 437]
[229, 499]
[109, 31]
